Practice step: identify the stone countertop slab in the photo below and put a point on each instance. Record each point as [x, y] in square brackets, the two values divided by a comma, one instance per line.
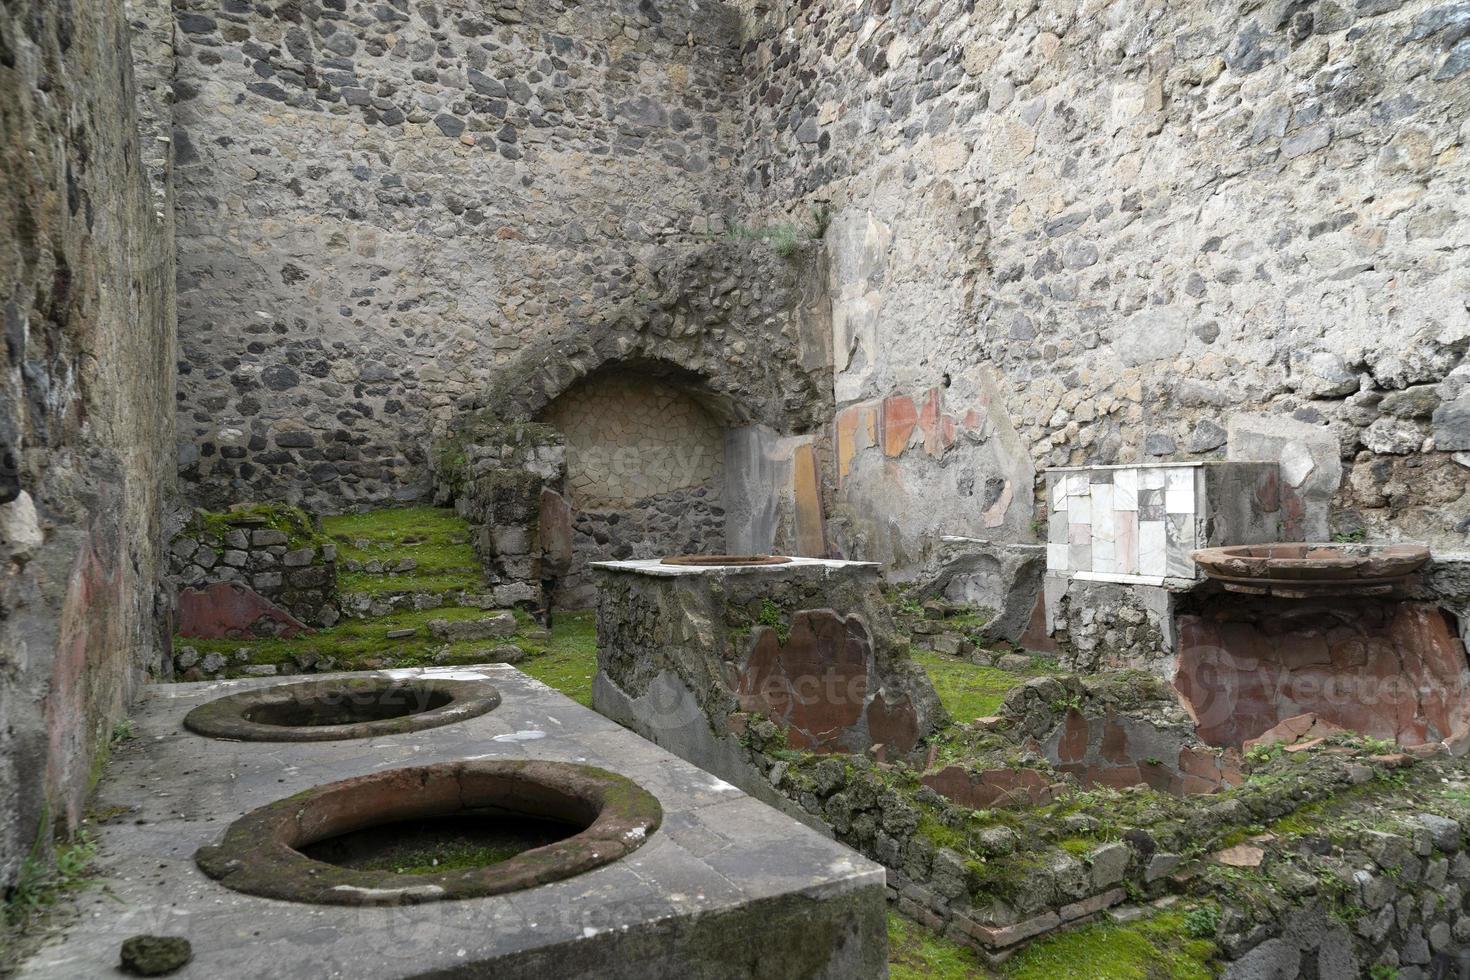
[717, 852]
[655, 567]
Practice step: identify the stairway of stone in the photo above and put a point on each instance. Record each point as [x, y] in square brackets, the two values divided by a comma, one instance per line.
[409, 558]
[412, 595]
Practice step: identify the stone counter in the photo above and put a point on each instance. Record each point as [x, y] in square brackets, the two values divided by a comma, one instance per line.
[711, 661]
[722, 876]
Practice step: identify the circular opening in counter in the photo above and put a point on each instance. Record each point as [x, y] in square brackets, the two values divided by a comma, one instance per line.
[342, 708]
[724, 561]
[433, 833]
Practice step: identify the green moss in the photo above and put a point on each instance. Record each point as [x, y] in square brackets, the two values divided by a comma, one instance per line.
[353, 642]
[567, 661]
[435, 538]
[915, 953]
[973, 620]
[44, 880]
[966, 690]
[1157, 948]
[1078, 846]
[424, 860]
[771, 615]
[293, 522]
[468, 581]
[941, 835]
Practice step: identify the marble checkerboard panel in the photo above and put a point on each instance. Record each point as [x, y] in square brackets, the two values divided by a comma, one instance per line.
[1122, 521]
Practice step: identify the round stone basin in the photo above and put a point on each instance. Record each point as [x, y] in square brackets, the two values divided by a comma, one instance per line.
[528, 823]
[1305, 570]
[725, 561]
[330, 710]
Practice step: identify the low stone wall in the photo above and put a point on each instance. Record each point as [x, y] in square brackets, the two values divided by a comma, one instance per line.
[1395, 896]
[1391, 899]
[274, 551]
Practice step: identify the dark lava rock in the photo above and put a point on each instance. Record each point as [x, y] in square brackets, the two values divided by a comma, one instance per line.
[153, 956]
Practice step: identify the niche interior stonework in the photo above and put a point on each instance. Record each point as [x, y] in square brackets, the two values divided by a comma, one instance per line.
[645, 472]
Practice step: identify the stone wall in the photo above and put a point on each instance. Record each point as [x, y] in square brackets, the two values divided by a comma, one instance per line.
[1144, 220]
[383, 205]
[86, 392]
[276, 552]
[507, 480]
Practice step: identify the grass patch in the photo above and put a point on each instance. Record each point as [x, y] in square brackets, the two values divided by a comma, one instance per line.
[290, 521]
[435, 538]
[966, 690]
[43, 883]
[1157, 948]
[915, 953]
[567, 661]
[353, 642]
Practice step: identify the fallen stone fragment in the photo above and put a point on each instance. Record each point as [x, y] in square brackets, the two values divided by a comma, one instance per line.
[491, 627]
[154, 956]
[1241, 856]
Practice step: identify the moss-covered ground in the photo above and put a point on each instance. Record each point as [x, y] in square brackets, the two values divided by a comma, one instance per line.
[968, 691]
[567, 660]
[1160, 947]
[1157, 947]
[915, 953]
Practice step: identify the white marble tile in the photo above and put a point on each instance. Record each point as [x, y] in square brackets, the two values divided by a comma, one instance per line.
[1056, 557]
[1102, 557]
[1151, 479]
[1102, 512]
[1180, 479]
[1059, 497]
[1125, 543]
[1179, 501]
[1078, 484]
[1125, 490]
[1153, 548]
[1179, 532]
